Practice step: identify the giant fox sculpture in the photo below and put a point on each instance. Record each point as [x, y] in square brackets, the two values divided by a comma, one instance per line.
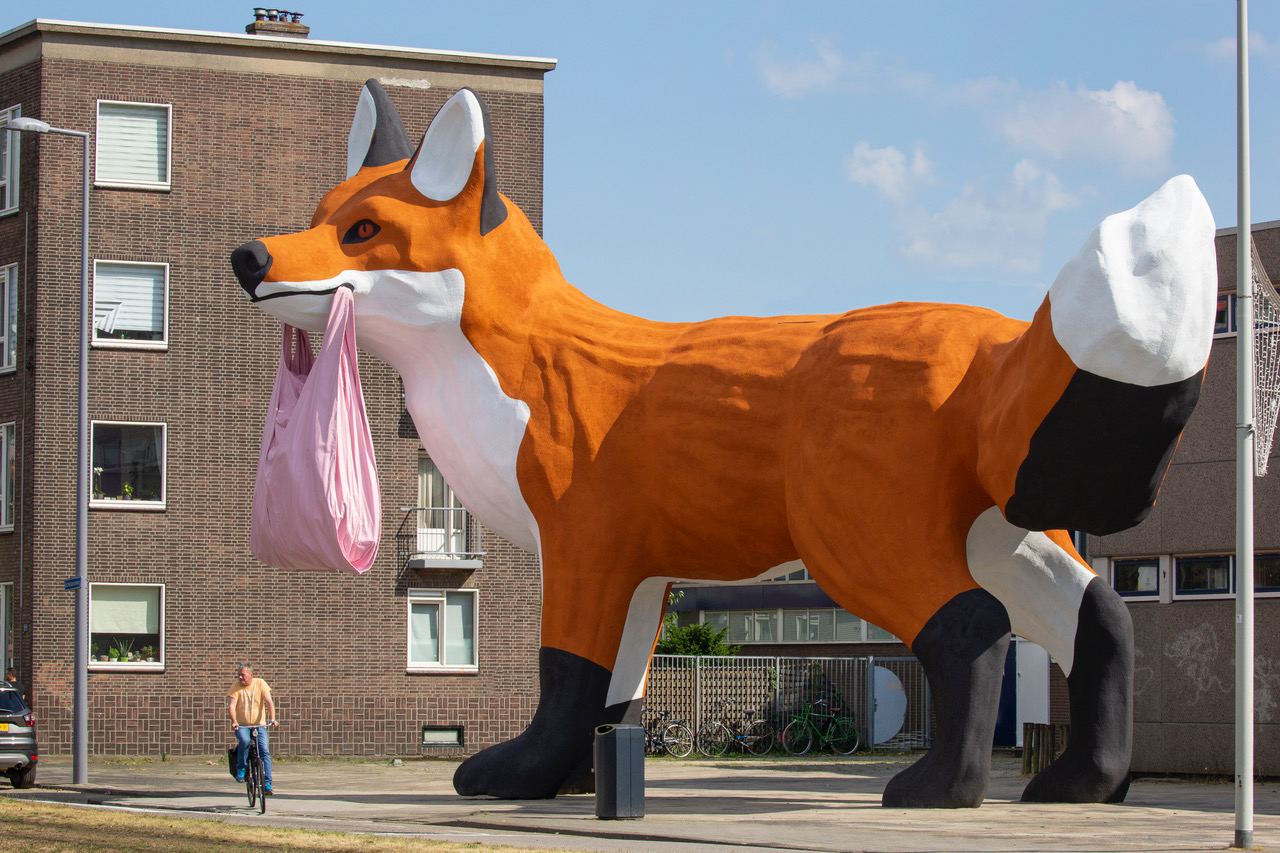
[923, 461]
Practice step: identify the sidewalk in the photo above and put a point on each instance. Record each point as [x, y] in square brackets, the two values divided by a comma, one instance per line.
[800, 804]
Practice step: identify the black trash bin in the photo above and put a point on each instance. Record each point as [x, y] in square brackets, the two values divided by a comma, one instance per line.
[619, 764]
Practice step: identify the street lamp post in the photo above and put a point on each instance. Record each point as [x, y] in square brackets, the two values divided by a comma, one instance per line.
[80, 732]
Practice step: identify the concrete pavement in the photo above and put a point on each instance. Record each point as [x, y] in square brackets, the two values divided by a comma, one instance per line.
[797, 804]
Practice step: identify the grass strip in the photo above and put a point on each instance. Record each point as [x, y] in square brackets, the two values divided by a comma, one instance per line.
[52, 828]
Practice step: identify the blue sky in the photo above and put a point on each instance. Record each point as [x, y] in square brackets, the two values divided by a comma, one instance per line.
[759, 157]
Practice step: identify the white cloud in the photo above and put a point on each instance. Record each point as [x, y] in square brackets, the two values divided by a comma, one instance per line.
[888, 171]
[1224, 49]
[1123, 124]
[994, 224]
[826, 70]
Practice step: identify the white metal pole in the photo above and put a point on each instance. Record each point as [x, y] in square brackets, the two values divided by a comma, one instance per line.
[1244, 450]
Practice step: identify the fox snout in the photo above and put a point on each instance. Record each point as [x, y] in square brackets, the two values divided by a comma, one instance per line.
[250, 263]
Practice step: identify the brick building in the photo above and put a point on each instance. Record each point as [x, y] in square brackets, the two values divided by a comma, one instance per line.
[202, 141]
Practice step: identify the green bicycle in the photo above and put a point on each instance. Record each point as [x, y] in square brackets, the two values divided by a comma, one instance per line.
[825, 728]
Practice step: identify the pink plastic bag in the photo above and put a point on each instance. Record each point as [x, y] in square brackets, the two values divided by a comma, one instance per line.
[316, 503]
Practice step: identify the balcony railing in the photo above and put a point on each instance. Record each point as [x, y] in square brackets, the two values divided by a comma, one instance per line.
[438, 537]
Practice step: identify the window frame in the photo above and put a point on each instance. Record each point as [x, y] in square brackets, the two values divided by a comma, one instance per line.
[440, 596]
[1135, 595]
[1263, 591]
[124, 343]
[708, 617]
[98, 181]
[128, 666]
[1206, 595]
[11, 164]
[1229, 297]
[139, 503]
[9, 483]
[8, 318]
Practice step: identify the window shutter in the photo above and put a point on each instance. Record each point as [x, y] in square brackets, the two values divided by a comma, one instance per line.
[133, 144]
[125, 610]
[129, 298]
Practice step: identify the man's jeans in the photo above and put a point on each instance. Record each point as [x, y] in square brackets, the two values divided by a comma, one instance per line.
[242, 751]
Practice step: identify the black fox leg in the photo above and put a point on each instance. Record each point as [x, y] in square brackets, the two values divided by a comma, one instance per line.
[1094, 768]
[962, 649]
[538, 762]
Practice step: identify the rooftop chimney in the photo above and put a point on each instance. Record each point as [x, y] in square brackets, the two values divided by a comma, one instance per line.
[277, 22]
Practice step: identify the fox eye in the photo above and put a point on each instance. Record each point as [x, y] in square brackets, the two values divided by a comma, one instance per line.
[361, 231]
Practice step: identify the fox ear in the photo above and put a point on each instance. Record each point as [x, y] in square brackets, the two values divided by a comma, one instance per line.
[442, 167]
[377, 135]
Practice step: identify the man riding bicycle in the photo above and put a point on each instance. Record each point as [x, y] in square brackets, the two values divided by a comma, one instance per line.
[252, 710]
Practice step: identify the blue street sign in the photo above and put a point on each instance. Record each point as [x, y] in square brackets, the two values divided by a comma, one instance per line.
[71, 583]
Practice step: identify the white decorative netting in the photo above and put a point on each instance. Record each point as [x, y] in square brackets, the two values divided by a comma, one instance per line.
[1266, 363]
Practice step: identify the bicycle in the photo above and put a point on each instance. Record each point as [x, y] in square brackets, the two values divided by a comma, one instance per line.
[664, 734]
[754, 736]
[255, 781]
[828, 729]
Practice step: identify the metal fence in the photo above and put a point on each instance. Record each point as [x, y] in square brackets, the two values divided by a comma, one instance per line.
[889, 697]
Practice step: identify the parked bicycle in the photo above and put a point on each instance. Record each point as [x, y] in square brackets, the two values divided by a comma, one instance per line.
[665, 735]
[816, 724]
[749, 734]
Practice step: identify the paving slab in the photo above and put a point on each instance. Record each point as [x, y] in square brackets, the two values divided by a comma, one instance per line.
[797, 804]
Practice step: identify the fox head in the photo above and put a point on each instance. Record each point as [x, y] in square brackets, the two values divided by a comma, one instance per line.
[411, 233]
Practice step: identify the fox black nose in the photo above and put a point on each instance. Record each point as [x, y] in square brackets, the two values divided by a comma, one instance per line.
[250, 263]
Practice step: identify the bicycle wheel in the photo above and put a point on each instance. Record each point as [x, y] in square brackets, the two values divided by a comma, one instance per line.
[760, 737]
[260, 775]
[677, 739]
[250, 777]
[713, 740]
[797, 737]
[842, 736]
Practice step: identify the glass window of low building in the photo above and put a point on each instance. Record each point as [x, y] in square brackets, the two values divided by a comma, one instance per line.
[1224, 322]
[1266, 572]
[1202, 575]
[1136, 577]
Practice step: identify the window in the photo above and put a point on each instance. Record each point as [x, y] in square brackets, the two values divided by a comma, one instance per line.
[1266, 572]
[8, 452]
[130, 304]
[7, 654]
[798, 575]
[1136, 578]
[1203, 575]
[1224, 322]
[8, 316]
[442, 522]
[808, 626]
[126, 624]
[133, 145]
[10, 167]
[791, 625]
[128, 465]
[442, 629]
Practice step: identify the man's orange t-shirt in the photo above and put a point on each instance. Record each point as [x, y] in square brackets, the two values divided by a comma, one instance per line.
[250, 710]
